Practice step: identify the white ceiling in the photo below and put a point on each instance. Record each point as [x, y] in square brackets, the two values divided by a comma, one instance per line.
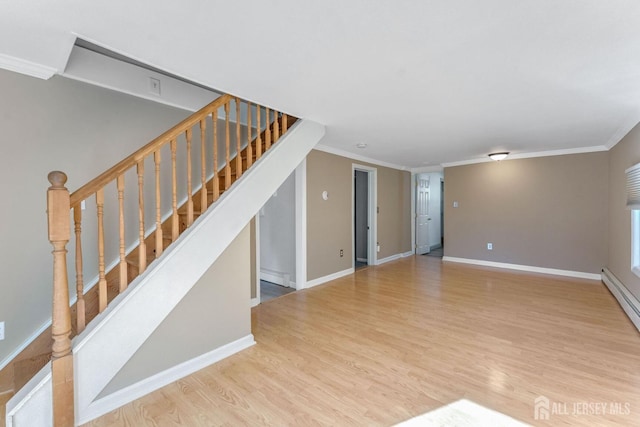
[421, 82]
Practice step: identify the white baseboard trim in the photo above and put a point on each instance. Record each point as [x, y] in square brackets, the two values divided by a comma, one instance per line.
[626, 299]
[394, 257]
[328, 278]
[148, 385]
[388, 259]
[362, 260]
[277, 277]
[530, 268]
[255, 301]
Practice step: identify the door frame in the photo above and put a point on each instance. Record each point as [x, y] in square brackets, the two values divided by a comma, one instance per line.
[300, 201]
[256, 241]
[301, 224]
[372, 217]
[415, 212]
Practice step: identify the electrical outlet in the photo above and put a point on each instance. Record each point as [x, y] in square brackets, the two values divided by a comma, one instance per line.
[490, 246]
[341, 253]
[378, 247]
[1, 331]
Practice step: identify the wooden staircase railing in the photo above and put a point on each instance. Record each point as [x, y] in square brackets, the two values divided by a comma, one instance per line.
[231, 154]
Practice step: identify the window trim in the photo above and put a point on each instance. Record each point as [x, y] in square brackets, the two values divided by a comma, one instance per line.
[635, 242]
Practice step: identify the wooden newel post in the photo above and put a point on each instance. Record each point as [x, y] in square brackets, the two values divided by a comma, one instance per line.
[58, 208]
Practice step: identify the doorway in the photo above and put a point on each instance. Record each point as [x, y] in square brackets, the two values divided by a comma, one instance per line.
[364, 216]
[423, 199]
[276, 230]
[429, 214]
[361, 217]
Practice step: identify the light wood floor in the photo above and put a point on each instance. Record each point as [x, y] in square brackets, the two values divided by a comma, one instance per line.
[399, 340]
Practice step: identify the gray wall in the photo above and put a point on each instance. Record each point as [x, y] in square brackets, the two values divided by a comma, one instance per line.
[546, 212]
[215, 312]
[330, 222]
[278, 232]
[624, 155]
[57, 124]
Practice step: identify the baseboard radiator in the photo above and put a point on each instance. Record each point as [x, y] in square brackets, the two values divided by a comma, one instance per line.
[629, 303]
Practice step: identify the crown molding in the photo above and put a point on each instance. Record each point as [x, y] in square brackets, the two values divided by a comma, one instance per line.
[629, 123]
[549, 153]
[349, 155]
[22, 66]
[427, 169]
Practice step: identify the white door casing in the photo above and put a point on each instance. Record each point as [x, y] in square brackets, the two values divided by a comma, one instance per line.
[422, 216]
[372, 220]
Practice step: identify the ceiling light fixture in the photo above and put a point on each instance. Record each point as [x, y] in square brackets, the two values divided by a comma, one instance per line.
[499, 156]
[361, 145]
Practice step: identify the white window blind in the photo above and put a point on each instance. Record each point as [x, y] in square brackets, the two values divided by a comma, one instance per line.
[633, 187]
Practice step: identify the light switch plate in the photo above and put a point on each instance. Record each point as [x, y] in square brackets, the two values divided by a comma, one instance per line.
[154, 86]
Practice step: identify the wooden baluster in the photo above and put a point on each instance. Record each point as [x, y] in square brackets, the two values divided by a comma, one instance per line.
[249, 139]
[189, 184]
[238, 142]
[123, 261]
[174, 193]
[276, 127]
[159, 247]
[58, 207]
[203, 166]
[80, 304]
[259, 131]
[285, 123]
[142, 248]
[227, 167]
[102, 282]
[267, 131]
[216, 180]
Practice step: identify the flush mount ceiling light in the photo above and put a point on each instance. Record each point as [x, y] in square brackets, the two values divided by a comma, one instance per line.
[499, 156]
[361, 145]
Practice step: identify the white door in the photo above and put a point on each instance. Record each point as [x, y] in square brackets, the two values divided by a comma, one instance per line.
[422, 217]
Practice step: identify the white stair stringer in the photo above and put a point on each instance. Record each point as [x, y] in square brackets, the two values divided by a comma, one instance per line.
[117, 333]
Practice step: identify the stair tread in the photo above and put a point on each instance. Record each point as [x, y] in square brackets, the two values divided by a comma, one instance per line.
[184, 211]
[134, 257]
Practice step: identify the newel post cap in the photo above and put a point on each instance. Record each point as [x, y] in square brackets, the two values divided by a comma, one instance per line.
[58, 206]
[57, 179]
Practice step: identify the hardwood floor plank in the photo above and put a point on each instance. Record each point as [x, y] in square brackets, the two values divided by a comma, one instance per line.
[398, 340]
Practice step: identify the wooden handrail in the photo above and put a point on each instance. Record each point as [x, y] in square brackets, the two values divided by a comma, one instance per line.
[112, 173]
[60, 204]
